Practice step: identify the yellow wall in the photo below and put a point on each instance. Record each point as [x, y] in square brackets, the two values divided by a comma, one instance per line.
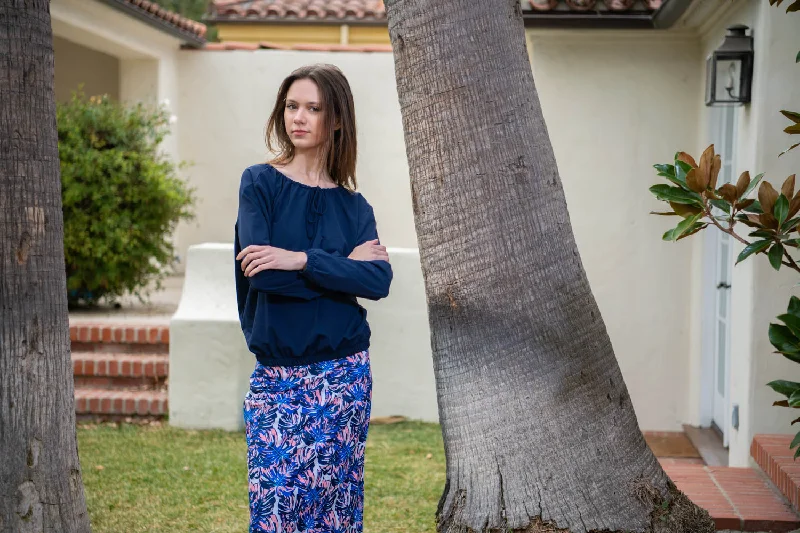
[291, 34]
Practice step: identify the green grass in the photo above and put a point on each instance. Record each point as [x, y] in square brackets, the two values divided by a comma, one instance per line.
[161, 479]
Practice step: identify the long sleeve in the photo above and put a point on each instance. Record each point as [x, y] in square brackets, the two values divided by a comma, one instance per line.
[364, 279]
[252, 227]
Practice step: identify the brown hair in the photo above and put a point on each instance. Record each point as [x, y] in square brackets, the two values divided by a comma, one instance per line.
[339, 110]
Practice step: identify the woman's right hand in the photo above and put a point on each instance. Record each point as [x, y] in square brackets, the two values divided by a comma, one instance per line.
[370, 251]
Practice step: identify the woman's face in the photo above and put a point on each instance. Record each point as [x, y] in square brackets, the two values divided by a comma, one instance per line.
[304, 116]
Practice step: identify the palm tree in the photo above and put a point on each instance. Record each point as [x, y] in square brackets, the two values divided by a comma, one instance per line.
[539, 430]
[40, 476]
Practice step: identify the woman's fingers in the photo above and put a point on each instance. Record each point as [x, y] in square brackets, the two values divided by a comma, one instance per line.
[265, 260]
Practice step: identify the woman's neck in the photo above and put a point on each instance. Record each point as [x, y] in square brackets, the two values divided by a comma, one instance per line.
[308, 168]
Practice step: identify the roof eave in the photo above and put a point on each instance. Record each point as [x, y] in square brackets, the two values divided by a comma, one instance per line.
[663, 18]
[126, 7]
[295, 20]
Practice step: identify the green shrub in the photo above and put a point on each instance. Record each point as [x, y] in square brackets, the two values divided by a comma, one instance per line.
[122, 197]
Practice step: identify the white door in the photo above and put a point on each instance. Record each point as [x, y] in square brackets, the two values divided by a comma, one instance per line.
[718, 305]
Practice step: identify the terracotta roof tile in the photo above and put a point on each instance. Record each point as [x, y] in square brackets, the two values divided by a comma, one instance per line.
[309, 47]
[195, 28]
[311, 10]
[374, 10]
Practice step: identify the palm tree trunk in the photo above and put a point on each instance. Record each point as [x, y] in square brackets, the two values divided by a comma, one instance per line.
[40, 478]
[538, 425]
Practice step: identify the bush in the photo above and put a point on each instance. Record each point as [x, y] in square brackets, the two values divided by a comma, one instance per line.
[122, 198]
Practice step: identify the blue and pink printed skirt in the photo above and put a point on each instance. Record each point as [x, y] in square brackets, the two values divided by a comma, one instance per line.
[306, 432]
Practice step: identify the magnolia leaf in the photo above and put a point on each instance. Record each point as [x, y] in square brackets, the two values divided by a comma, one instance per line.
[664, 213]
[768, 220]
[794, 401]
[792, 322]
[694, 181]
[787, 189]
[694, 228]
[794, 243]
[781, 403]
[795, 421]
[781, 386]
[794, 205]
[704, 168]
[789, 224]
[753, 248]
[791, 9]
[676, 194]
[775, 256]
[762, 234]
[792, 147]
[781, 209]
[686, 158]
[782, 338]
[685, 210]
[797, 59]
[752, 185]
[721, 204]
[665, 170]
[729, 193]
[716, 165]
[684, 226]
[794, 306]
[744, 204]
[767, 196]
[796, 439]
[742, 183]
[794, 129]
[791, 115]
[754, 207]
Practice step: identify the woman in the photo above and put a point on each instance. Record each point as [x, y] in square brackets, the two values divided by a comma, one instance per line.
[306, 246]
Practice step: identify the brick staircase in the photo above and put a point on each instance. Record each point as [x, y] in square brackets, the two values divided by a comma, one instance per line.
[120, 371]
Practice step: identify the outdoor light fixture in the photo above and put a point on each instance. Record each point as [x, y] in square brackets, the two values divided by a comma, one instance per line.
[729, 69]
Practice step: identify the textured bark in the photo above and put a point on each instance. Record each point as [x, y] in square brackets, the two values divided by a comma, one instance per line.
[538, 425]
[40, 479]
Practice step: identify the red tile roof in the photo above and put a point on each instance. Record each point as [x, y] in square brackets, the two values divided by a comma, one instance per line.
[311, 10]
[309, 47]
[374, 10]
[172, 19]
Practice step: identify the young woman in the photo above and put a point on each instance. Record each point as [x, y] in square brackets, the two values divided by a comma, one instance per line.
[306, 246]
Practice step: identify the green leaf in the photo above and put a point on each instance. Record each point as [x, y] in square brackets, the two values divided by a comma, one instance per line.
[781, 386]
[693, 229]
[781, 209]
[791, 115]
[664, 213]
[721, 204]
[789, 224]
[794, 401]
[785, 341]
[676, 194]
[796, 439]
[775, 255]
[753, 248]
[753, 184]
[762, 234]
[797, 59]
[683, 227]
[792, 322]
[668, 171]
[794, 306]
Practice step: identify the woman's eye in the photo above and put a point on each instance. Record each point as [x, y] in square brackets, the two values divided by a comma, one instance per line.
[291, 106]
[315, 109]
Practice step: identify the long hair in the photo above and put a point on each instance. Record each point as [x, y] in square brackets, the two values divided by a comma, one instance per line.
[339, 148]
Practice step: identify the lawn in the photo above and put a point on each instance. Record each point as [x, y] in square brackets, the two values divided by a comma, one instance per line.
[160, 479]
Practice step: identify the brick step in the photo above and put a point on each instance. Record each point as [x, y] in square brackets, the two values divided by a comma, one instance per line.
[102, 402]
[739, 499]
[772, 454]
[119, 338]
[123, 371]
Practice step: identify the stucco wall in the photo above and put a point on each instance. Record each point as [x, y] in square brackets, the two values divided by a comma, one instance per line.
[604, 99]
[76, 65]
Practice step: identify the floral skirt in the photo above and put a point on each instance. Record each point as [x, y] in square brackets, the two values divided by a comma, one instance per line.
[306, 430]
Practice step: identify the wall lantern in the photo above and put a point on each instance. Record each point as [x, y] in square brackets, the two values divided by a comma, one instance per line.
[729, 70]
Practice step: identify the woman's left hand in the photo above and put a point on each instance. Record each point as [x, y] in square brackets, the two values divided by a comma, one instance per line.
[256, 258]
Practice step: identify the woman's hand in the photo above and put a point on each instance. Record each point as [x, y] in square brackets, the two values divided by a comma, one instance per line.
[370, 251]
[256, 258]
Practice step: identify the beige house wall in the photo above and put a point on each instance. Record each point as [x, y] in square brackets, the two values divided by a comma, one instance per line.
[77, 65]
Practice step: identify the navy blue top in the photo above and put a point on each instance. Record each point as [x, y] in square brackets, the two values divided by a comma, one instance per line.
[302, 317]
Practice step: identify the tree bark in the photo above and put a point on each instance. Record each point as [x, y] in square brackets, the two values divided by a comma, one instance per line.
[40, 478]
[539, 430]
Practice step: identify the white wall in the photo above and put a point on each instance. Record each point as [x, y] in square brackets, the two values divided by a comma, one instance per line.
[77, 65]
[615, 104]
